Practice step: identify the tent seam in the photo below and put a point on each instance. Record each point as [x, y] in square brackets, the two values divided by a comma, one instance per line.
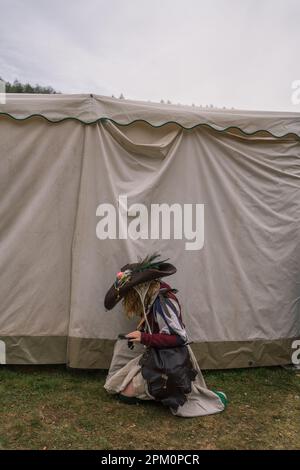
[200, 124]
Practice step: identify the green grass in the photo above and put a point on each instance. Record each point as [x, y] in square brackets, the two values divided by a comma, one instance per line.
[55, 408]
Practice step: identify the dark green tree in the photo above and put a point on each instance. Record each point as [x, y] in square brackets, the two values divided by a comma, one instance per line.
[18, 87]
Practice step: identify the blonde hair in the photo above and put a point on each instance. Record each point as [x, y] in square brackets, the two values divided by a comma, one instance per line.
[132, 302]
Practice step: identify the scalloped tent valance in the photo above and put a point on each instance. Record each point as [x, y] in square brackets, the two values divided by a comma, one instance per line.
[88, 109]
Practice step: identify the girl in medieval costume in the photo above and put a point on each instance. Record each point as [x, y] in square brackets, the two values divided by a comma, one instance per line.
[159, 363]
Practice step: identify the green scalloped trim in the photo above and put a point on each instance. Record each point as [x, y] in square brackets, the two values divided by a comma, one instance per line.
[200, 124]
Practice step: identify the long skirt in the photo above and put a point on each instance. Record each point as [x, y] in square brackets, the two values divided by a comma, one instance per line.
[125, 368]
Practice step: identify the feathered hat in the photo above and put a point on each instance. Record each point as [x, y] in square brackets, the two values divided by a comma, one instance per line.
[133, 274]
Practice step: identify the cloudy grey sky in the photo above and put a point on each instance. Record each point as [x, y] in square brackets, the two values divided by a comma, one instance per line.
[240, 53]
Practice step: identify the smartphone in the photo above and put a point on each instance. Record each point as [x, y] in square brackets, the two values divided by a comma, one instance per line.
[121, 336]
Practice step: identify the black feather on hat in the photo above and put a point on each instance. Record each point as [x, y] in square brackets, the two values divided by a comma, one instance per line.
[133, 274]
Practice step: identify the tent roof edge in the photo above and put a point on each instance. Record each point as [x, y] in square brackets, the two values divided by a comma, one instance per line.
[90, 109]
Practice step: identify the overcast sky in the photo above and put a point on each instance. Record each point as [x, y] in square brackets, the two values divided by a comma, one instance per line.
[240, 53]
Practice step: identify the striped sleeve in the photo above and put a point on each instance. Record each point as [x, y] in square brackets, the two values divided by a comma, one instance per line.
[168, 319]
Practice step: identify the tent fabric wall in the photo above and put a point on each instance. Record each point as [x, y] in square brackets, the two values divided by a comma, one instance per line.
[63, 155]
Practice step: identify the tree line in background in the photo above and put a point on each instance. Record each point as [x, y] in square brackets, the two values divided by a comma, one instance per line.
[18, 87]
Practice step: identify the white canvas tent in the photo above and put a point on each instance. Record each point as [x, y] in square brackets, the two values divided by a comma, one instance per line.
[63, 155]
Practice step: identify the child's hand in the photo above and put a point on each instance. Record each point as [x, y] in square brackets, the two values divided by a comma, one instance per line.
[135, 336]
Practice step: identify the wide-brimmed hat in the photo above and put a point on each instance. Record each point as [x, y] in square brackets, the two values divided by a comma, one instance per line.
[133, 274]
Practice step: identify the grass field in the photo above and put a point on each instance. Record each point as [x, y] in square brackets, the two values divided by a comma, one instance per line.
[55, 408]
